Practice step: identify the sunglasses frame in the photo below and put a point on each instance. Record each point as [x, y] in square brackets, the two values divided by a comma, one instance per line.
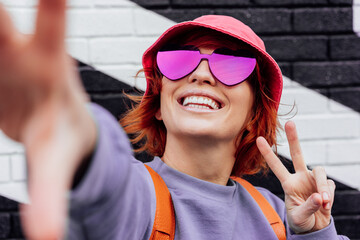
[248, 63]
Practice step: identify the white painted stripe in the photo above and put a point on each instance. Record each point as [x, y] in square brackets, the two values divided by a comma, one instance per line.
[356, 17]
[16, 191]
[329, 137]
[112, 34]
[18, 167]
[4, 169]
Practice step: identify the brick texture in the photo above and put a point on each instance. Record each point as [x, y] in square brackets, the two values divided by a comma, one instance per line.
[286, 68]
[346, 203]
[10, 225]
[195, 3]
[153, 3]
[348, 225]
[7, 205]
[291, 48]
[327, 74]
[344, 47]
[291, 2]
[5, 227]
[95, 81]
[341, 2]
[350, 95]
[16, 229]
[179, 15]
[262, 20]
[323, 20]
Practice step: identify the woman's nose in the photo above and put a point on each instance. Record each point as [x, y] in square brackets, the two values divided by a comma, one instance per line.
[202, 74]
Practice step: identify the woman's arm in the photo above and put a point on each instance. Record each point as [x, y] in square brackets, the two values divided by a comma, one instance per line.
[42, 105]
[115, 197]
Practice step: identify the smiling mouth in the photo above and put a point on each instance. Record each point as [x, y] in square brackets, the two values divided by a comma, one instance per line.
[200, 102]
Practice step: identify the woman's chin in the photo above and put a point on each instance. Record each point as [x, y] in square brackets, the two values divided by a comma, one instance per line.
[203, 133]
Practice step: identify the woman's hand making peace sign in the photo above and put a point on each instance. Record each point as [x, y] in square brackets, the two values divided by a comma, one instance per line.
[42, 105]
[309, 195]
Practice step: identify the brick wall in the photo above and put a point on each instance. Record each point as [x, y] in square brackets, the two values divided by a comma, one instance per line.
[313, 41]
[10, 227]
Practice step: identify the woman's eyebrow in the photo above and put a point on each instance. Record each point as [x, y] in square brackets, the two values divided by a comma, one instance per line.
[237, 52]
[172, 47]
[189, 47]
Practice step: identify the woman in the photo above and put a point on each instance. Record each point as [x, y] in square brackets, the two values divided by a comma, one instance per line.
[212, 93]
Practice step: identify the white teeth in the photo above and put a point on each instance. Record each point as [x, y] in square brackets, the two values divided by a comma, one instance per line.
[201, 100]
[195, 101]
[198, 106]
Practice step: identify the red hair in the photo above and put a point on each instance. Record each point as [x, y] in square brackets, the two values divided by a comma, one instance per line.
[141, 123]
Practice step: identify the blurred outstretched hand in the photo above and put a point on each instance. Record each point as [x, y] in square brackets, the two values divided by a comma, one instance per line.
[42, 105]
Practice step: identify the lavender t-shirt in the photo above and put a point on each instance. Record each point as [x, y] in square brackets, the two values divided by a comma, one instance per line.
[116, 199]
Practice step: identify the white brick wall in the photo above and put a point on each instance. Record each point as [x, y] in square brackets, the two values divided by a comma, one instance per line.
[4, 169]
[112, 35]
[329, 132]
[18, 167]
[124, 50]
[356, 16]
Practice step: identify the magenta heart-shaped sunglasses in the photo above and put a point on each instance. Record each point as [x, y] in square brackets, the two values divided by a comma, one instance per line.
[228, 69]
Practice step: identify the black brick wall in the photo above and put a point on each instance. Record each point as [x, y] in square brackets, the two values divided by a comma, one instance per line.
[10, 227]
[322, 20]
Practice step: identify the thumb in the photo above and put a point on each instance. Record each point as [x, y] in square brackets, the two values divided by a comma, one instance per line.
[311, 205]
[303, 219]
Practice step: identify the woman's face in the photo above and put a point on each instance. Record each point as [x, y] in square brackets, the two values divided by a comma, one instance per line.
[227, 108]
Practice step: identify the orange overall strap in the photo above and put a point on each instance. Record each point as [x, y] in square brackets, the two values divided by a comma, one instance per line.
[164, 222]
[269, 212]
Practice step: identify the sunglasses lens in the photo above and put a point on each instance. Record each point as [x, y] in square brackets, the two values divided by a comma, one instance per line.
[177, 64]
[231, 70]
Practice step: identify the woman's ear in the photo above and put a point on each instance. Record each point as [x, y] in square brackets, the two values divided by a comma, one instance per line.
[158, 115]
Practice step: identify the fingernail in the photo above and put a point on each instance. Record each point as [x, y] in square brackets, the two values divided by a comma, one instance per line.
[327, 206]
[325, 196]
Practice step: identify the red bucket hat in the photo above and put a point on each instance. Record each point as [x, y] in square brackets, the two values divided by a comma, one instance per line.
[229, 26]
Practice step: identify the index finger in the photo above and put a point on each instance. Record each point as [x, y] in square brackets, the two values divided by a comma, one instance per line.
[272, 160]
[50, 24]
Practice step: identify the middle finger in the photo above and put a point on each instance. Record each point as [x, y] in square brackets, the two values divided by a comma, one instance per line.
[295, 149]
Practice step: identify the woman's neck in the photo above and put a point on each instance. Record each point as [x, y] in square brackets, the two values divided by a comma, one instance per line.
[203, 158]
